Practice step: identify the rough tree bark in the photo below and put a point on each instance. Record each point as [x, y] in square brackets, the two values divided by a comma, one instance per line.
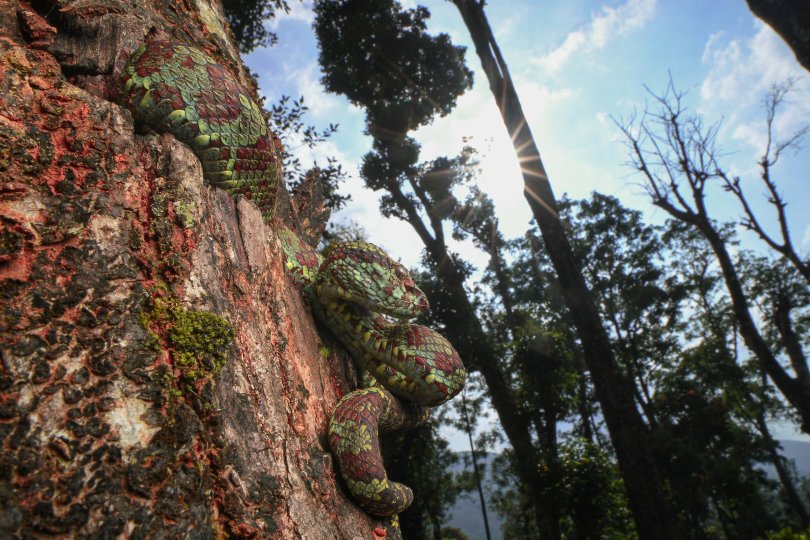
[653, 516]
[791, 20]
[117, 265]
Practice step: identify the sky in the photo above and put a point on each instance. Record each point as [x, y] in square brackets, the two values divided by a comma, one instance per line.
[576, 65]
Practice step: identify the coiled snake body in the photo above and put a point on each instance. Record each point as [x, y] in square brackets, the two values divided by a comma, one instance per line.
[366, 298]
[177, 89]
[359, 292]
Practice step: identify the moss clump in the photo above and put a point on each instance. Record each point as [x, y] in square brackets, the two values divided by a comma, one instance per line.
[184, 213]
[198, 340]
[201, 340]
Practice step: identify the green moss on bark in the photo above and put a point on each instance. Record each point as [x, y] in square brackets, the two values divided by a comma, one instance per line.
[198, 341]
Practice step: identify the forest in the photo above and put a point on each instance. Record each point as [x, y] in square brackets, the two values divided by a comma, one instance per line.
[184, 183]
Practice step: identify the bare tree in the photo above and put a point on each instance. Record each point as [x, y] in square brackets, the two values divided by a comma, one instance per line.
[774, 149]
[677, 157]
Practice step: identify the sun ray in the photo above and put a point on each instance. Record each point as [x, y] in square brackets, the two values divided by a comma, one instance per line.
[543, 203]
[531, 172]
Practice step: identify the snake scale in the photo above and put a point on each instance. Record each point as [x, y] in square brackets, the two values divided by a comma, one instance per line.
[363, 296]
[366, 299]
[173, 88]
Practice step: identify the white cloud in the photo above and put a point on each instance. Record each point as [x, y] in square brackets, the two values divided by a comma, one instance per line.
[609, 23]
[753, 133]
[744, 69]
[806, 238]
[307, 83]
[299, 11]
[507, 26]
[304, 80]
[741, 72]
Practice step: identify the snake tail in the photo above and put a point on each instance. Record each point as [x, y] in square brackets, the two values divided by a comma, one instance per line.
[173, 88]
[354, 431]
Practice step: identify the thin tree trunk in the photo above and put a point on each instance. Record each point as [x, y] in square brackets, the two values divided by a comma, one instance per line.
[437, 527]
[653, 516]
[476, 473]
[582, 408]
[550, 450]
[791, 493]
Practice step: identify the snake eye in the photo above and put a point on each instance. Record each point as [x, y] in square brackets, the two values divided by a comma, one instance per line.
[401, 273]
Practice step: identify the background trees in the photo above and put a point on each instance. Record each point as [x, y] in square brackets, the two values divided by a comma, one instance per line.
[696, 412]
[247, 19]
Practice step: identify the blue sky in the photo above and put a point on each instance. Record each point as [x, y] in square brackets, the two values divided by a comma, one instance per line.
[575, 64]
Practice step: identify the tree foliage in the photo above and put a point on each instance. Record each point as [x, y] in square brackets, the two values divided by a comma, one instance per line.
[287, 120]
[247, 21]
[662, 291]
[380, 57]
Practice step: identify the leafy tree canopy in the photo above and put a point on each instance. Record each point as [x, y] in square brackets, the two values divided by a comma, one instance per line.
[380, 57]
[247, 17]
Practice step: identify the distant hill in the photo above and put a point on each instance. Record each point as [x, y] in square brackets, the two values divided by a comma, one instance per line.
[799, 452]
[467, 510]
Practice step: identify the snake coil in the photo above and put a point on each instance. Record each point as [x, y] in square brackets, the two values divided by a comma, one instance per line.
[177, 89]
[366, 299]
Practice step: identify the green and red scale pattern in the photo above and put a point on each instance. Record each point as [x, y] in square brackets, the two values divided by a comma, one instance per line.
[178, 89]
[354, 431]
[366, 299]
[362, 290]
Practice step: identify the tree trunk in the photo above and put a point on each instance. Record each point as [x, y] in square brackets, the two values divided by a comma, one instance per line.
[796, 390]
[111, 247]
[464, 329]
[476, 471]
[653, 516]
[791, 20]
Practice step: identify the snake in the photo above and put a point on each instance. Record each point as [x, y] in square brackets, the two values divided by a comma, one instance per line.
[358, 291]
[367, 300]
[174, 88]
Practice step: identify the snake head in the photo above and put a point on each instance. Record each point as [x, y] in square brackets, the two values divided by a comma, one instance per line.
[364, 274]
